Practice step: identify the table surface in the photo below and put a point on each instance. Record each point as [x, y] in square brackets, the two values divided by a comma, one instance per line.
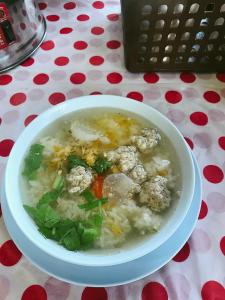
[82, 55]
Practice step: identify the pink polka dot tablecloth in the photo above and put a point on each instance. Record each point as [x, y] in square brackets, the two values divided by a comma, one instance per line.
[83, 54]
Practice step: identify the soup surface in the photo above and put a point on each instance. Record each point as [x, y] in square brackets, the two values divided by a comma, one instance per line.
[99, 179]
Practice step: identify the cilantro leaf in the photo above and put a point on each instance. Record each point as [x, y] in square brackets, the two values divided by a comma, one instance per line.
[89, 206]
[48, 197]
[88, 237]
[33, 161]
[74, 161]
[59, 183]
[88, 196]
[46, 216]
[101, 165]
[71, 240]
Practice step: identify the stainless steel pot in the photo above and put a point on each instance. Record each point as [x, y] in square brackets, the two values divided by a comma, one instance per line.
[22, 29]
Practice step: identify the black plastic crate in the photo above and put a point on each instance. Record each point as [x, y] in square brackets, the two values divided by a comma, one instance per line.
[185, 35]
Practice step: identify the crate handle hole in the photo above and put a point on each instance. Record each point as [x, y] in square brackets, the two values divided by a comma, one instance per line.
[178, 9]
[145, 24]
[191, 59]
[155, 49]
[219, 58]
[174, 23]
[146, 10]
[222, 47]
[190, 23]
[200, 35]
[185, 36]
[153, 60]
[162, 10]
[182, 48]
[157, 37]
[166, 59]
[141, 60]
[168, 49]
[194, 8]
[195, 48]
[159, 24]
[204, 22]
[143, 38]
[222, 9]
[142, 49]
[209, 7]
[214, 35]
[179, 59]
[219, 22]
[171, 36]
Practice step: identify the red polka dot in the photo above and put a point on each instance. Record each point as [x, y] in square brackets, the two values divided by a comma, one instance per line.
[154, 291]
[199, 118]
[69, 5]
[203, 211]
[29, 119]
[18, 99]
[34, 292]
[135, 95]
[23, 26]
[113, 44]
[96, 60]
[187, 77]
[190, 143]
[98, 4]
[0, 211]
[65, 30]
[5, 79]
[213, 290]
[212, 97]
[183, 254]
[222, 245]
[113, 17]
[9, 254]
[42, 5]
[61, 61]
[173, 97]
[56, 98]
[41, 78]
[97, 30]
[52, 18]
[95, 93]
[151, 77]
[213, 174]
[114, 78]
[5, 147]
[47, 45]
[28, 62]
[91, 293]
[83, 18]
[221, 142]
[77, 78]
[0, 121]
[80, 45]
[221, 77]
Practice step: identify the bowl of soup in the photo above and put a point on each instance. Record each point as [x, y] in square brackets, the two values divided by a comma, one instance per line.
[99, 180]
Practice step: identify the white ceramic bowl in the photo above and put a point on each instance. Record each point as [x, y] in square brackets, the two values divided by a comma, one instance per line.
[14, 196]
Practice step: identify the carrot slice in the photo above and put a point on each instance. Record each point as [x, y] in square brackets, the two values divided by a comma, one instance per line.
[97, 186]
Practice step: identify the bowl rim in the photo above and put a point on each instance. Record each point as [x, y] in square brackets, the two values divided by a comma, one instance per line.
[50, 116]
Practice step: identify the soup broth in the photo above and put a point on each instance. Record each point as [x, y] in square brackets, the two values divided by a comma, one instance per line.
[98, 180]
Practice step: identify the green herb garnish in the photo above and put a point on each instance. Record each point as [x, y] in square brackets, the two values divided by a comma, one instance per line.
[94, 204]
[33, 161]
[75, 161]
[101, 165]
